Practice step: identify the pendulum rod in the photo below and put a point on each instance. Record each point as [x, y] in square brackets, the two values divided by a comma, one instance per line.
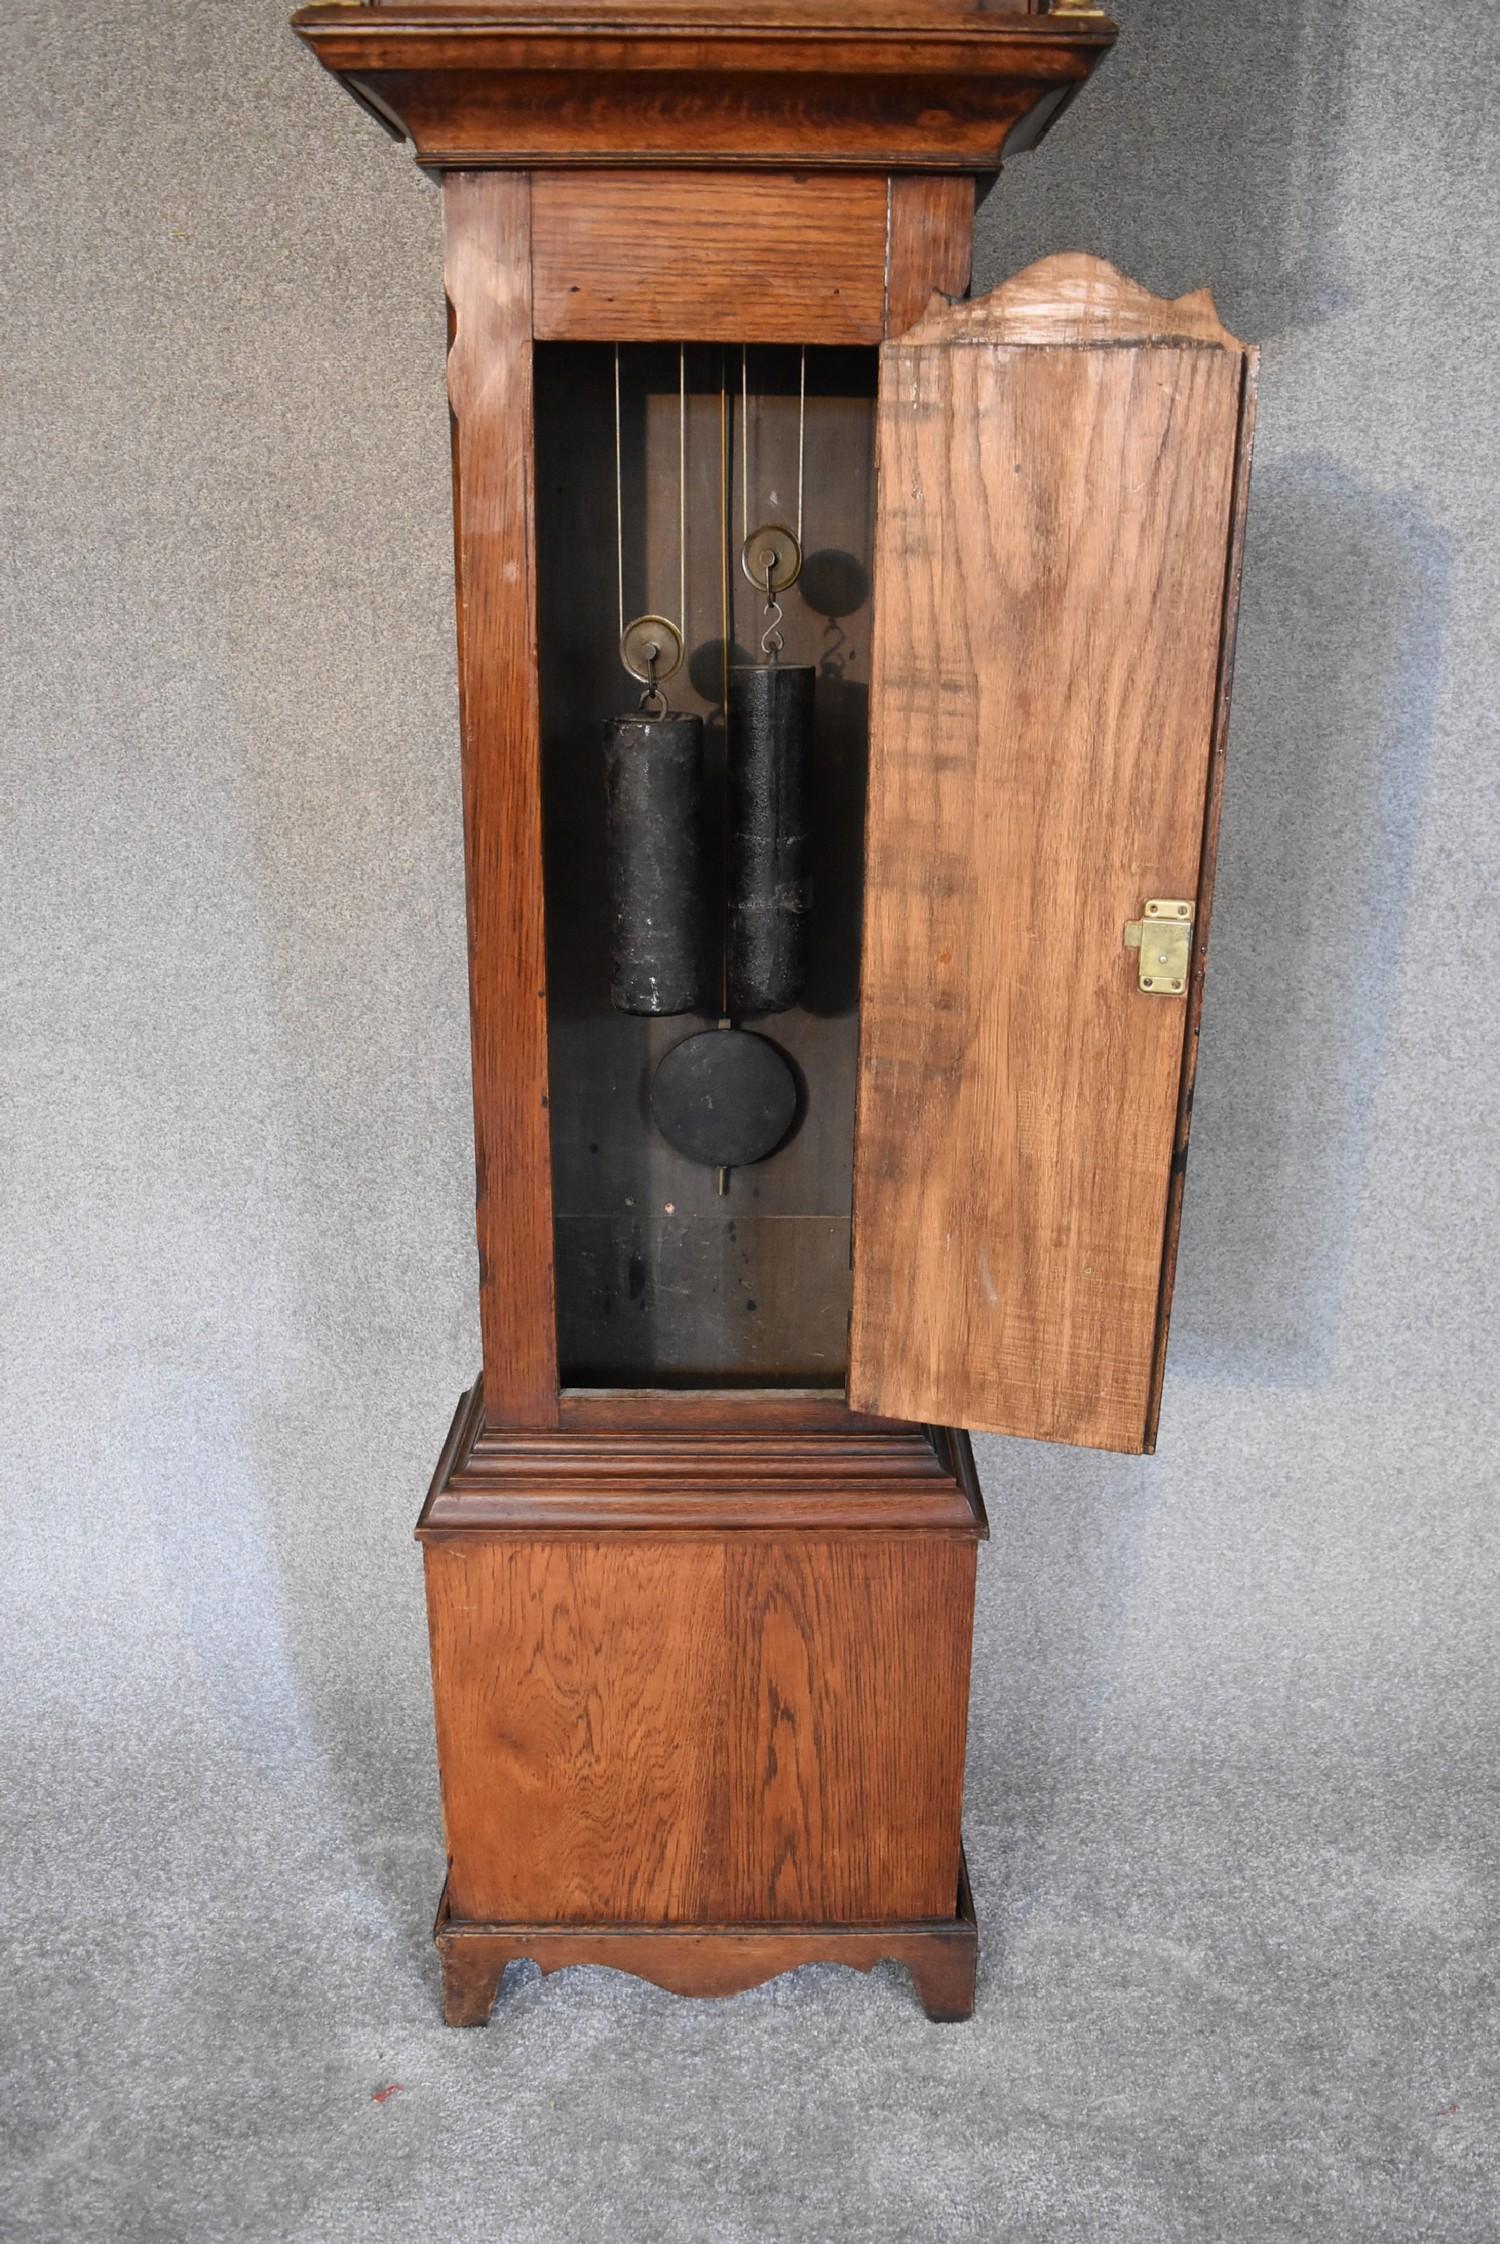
[726, 489]
[726, 629]
[619, 499]
[682, 491]
[726, 625]
[801, 436]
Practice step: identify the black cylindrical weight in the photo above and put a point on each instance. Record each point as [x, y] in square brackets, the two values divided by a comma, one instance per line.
[770, 754]
[653, 771]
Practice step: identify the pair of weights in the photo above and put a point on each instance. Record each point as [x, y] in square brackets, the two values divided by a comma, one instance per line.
[659, 889]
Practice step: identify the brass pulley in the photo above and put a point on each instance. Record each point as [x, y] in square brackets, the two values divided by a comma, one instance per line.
[771, 558]
[651, 650]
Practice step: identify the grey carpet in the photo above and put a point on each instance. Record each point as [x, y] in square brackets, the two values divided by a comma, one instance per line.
[1233, 1776]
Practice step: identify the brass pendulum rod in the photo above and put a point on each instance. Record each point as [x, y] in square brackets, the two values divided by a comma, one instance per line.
[726, 625]
[726, 629]
[801, 438]
[726, 485]
[682, 502]
[619, 499]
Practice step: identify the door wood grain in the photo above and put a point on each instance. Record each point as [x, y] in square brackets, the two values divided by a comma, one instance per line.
[1055, 560]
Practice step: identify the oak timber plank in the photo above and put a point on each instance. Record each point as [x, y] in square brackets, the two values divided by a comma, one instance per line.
[941, 1956]
[732, 1409]
[848, 1685]
[1212, 809]
[707, 1473]
[728, 257]
[719, 1731]
[930, 245]
[487, 263]
[937, 89]
[1073, 298]
[577, 1685]
[626, 16]
[1055, 526]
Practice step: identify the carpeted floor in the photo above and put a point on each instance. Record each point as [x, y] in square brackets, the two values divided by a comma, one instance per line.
[1233, 1803]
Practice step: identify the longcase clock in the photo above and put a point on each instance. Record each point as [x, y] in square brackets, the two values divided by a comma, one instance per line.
[844, 671]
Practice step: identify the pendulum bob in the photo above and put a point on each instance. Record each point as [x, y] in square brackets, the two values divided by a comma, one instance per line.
[653, 772]
[770, 757]
[724, 1098]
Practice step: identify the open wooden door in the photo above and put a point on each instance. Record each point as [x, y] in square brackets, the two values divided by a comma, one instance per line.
[1062, 469]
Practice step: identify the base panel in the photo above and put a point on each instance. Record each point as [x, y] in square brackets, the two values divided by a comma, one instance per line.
[710, 1960]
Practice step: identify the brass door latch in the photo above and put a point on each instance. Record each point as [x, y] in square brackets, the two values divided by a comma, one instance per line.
[1164, 938]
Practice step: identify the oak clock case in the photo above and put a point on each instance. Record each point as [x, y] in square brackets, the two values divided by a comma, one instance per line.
[844, 670]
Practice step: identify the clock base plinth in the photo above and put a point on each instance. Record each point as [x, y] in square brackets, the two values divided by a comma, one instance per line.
[701, 1669]
[710, 1960]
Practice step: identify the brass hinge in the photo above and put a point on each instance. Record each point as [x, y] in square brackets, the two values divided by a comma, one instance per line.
[1164, 938]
